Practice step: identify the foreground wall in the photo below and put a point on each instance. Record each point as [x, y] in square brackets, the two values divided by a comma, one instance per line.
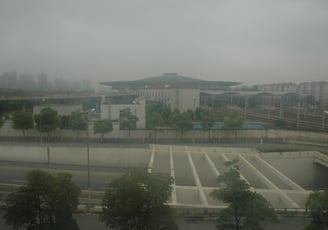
[171, 136]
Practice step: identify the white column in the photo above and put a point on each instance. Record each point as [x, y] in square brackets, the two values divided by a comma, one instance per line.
[151, 161]
[285, 179]
[196, 178]
[267, 182]
[174, 192]
[210, 162]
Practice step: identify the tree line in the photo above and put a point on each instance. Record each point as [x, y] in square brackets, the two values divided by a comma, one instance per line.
[48, 120]
[138, 200]
[158, 117]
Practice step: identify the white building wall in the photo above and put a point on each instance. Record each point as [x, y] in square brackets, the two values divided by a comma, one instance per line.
[188, 99]
[182, 99]
[324, 94]
[62, 110]
[104, 111]
[279, 88]
[112, 112]
[319, 91]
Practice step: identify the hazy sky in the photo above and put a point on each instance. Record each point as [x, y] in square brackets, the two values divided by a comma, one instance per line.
[251, 41]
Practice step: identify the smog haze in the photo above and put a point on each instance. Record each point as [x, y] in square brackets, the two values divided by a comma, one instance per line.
[251, 41]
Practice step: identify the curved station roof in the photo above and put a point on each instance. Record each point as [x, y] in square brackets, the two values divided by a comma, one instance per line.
[171, 80]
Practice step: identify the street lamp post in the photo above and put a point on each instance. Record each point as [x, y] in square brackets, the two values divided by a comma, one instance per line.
[40, 127]
[41, 138]
[298, 116]
[245, 106]
[323, 119]
[88, 159]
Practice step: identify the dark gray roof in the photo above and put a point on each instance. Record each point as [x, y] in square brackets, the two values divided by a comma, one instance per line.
[171, 79]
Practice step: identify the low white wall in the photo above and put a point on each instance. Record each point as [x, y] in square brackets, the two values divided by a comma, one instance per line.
[286, 135]
[77, 155]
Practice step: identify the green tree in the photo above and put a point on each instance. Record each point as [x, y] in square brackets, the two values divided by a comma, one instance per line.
[317, 204]
[47, 121]
[153, 106]
[128, 120]
[46, 202]
[191, 114]
[157, 107]
[181, 122]
[103, 126]
[206, 118]
[77, 122]
[137, 200]
[22, 121]
[1, 121]
[234, 121]
[7, 107]
[153, 121]
[166, 114]
[246, 208]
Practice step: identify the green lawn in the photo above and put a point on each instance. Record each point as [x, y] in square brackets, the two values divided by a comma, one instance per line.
[266, 148]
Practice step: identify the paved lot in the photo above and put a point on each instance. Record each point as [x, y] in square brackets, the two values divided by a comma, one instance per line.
[87, 222]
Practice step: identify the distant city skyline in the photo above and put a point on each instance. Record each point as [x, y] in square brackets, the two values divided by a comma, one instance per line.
[253, 42]
[41, 82]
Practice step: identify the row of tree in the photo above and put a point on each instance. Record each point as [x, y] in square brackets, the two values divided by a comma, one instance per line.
[46, 202]
[138, 200]
[48, 120]
[158, 115]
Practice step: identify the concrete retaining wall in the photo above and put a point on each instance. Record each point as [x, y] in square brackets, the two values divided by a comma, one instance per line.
[170, 136]
[109, 157]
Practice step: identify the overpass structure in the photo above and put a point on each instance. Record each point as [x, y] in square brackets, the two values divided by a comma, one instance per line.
[284, 179]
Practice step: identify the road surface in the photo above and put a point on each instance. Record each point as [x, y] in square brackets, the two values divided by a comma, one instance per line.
[91, 221]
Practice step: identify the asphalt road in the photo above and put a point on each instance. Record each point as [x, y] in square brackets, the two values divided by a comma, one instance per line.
[100, 177]
[15, 172]
[91, 221]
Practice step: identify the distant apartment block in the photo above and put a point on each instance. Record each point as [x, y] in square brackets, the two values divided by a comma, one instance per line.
[43, 82]
[26, 82]
[278, 88]
[317, 89]
[8, 80]
[60, 85]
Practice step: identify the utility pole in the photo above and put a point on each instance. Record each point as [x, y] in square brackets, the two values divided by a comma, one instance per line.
[245, 106]
[88, 166]
[323, 119]
[298, 116]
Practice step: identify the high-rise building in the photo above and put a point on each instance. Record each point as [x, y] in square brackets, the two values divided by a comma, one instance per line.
[86, 85]
[43, 83]
[319, 91]
[26, 82]
[278, 88]
[8, 80]
[61, 84]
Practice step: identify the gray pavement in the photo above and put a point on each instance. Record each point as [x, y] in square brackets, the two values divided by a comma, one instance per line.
[91, 221]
